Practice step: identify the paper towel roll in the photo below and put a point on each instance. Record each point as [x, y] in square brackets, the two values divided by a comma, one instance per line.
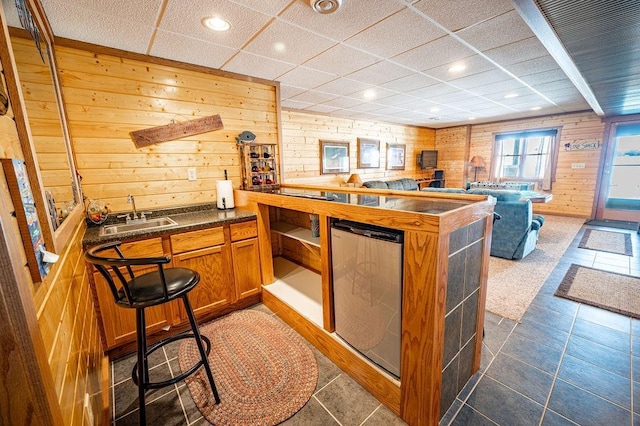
[224, 189]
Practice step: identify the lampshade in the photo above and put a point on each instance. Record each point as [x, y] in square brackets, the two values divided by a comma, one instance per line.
[476, 161]
[355, 179]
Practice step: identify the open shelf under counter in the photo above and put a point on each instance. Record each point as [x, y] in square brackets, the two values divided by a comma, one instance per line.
[296, 232]
[298, 287]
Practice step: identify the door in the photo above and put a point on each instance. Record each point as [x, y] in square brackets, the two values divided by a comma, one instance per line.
[246, 267]
[619, 197]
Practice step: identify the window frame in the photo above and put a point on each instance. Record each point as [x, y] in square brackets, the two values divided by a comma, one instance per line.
[552, 160]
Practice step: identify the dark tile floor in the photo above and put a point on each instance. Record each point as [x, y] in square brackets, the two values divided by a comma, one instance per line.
[564, 363]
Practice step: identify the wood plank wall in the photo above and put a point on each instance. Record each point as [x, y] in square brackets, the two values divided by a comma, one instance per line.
[302, 132]
[574, 189]
[109, 94]
[64, 309]
[453, 147]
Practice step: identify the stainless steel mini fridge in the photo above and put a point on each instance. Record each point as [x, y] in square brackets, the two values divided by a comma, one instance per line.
[367, 286]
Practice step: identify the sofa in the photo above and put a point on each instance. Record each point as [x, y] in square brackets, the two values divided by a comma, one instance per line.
[514, 235]
[404, 184]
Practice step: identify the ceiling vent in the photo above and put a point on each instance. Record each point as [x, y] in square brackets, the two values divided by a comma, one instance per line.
[325, 6]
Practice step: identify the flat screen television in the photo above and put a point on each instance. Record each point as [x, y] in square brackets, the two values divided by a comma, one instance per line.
[428, 159]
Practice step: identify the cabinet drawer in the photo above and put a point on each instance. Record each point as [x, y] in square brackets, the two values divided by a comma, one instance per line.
[243, 230]
[195, 240]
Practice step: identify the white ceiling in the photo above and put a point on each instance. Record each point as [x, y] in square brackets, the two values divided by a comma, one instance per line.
[400, 49]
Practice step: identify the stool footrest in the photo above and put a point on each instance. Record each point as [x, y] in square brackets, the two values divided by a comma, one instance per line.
[180, 377]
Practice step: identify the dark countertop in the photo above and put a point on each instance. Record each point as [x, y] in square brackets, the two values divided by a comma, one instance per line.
[188, 218]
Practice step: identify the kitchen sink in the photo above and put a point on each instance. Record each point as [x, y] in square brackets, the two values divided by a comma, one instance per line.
[146, 225]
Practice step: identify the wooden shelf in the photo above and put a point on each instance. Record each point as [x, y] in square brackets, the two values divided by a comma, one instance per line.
[295, 232]
[298, 287]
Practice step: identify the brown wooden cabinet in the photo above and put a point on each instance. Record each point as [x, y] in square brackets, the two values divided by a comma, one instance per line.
[120, 323]
[208, 253]
[228, 261]
[246, 259]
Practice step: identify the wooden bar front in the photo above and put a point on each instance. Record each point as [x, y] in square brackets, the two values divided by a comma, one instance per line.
[430, 241]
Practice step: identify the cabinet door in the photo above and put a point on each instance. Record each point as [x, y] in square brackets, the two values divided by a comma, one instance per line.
[246, 267]
[215, 288]
[120, 323]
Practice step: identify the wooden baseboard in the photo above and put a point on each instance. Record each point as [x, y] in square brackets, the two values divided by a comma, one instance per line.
[384, 389]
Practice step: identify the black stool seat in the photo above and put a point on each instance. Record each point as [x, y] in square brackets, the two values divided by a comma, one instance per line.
[146, 292]
[150, 289]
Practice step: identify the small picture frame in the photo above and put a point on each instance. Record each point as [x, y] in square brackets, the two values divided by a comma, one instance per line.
[368, 153]
[396, 156]
[334, 157]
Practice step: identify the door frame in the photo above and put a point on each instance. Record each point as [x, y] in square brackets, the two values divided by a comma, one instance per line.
[604, 174]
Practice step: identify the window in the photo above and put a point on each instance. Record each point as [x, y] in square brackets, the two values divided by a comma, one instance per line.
[526, 156]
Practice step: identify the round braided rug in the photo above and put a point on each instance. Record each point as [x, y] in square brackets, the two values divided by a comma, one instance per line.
[264, 371]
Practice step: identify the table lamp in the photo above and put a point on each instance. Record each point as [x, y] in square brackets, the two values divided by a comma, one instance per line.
[477, 163]
[355, 180]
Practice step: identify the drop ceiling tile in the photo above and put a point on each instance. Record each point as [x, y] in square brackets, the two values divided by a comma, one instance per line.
[387, 37]
[245, 23]
[533, 66]
[495, 32]
[458, 14]
[295, 104]
[364, 107]
[438, 52]
[545, 77]
[558, 86]
[341, 60]
[501, 86]
[113, 24]
[343, 86]
[353, 17]
[323, 109]
[451, 97]
[410, 82]
[388, 110]
[474, 64]
[481, 79]
[343, 102]
[378, 93]
[271, 7]
[380, 73]
[287, 91]
[313, 96]
[186, 49]
[398, 99]
[305, 77]
[258, 66]
[524, 50]
[435, 90]
[285, 42]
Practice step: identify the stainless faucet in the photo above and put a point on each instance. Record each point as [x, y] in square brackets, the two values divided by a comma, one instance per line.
[130, 200]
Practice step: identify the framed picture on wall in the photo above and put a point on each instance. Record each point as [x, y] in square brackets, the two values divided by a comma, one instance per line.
[335, 157]
[396, 156]
[368, 153]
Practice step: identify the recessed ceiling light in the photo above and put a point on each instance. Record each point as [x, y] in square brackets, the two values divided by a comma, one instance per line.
[325, 6]
[215, 23]
[457, 68]
[434, 109]
[511, 95]
[472, 118]
[536, 108]
[369, 94]
[279, 46]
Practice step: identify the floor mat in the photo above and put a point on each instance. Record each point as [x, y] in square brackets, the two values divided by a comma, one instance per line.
[609, 241]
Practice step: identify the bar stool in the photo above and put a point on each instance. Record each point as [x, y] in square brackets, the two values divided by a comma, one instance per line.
[146, 290]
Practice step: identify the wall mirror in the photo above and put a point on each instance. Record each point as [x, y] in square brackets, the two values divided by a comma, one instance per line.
[45, 120]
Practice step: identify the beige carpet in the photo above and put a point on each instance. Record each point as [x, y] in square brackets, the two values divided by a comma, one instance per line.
[514, 283]
[607, 290]
[609, 241]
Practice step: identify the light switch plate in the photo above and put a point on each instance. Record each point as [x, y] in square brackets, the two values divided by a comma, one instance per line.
[191, 174]
[577, 165]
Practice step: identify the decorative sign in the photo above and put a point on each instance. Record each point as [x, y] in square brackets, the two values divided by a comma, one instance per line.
[23, 202]
[173, 131]
[581, 145]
